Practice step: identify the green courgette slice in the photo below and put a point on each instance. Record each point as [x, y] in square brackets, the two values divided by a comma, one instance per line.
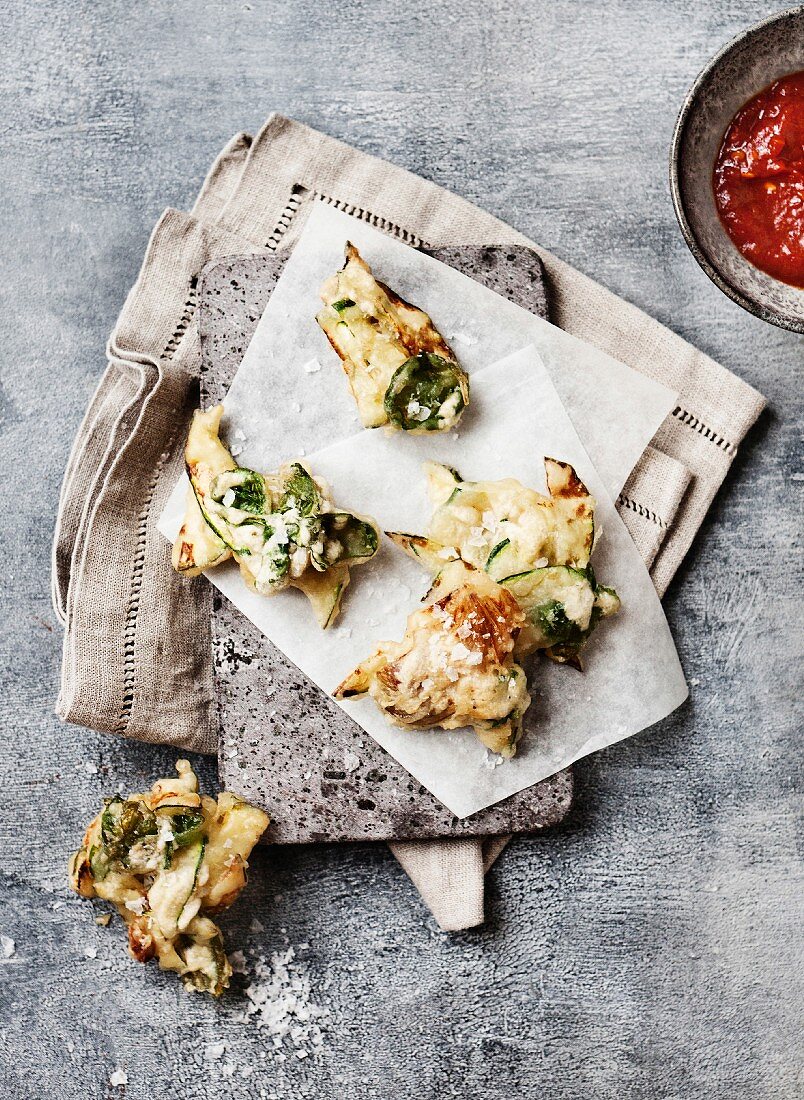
[174, 887]
[301, 493]
[563, 606]
[357, 538]
[427, 393]
[503, 560]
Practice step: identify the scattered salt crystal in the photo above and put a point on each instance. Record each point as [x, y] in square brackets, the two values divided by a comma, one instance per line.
[239, 434]
[91, 769]
[280, 1003]
[103, 920]
[237, 961]
[119, 1077]
[460, 652]
[345, 632]
[311, 366]
[351, 762]
[418, 412]
[214, 1051]
[235, 450]
[463, 338]
[428, 684]
[227, 1069]
[257, 925]
[447, 553]
[57, 905]
[694, 682]
[8, 946]
[91, 952]
[228, 497]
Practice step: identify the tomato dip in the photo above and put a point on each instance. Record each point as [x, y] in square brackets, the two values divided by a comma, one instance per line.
[759, 180]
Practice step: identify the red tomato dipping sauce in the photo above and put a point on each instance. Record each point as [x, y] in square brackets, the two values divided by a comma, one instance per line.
[759, 180]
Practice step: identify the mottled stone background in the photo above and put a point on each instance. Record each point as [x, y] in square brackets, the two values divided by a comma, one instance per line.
[652, 946]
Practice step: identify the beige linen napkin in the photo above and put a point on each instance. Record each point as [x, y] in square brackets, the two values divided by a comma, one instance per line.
[136, 658]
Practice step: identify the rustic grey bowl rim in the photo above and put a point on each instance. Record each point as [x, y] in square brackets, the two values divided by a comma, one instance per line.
[765, 313]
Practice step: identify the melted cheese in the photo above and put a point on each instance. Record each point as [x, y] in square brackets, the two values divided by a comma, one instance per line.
[167, 894]
[484, 519]
[454, 667]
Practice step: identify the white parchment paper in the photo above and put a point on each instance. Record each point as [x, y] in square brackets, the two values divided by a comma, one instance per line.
[633, 676]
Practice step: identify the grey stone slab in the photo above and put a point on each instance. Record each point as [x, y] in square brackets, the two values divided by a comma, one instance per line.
[284, 743]
[650, 945]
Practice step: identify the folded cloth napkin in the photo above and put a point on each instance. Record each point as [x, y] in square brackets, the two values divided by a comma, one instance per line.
[136, 659]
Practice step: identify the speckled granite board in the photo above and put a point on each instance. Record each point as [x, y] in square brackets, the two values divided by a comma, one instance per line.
[284, 744]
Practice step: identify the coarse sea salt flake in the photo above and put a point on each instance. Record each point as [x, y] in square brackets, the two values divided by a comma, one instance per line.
[91, 952]
[214, 1051]
[119, 1077]
[311, 366]
[8, 946]
[228, 498]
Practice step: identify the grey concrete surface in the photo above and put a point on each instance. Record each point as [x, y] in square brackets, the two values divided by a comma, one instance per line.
[650, 947]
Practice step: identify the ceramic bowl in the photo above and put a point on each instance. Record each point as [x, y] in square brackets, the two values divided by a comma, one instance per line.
[745, 66]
